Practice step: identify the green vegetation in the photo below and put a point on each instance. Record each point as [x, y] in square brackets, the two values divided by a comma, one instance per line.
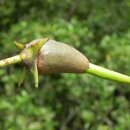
[101, 31]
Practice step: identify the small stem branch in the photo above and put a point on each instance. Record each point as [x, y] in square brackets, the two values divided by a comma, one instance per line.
[12, 60]
[107, 74]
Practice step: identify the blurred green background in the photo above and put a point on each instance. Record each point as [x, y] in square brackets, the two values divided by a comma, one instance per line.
[100, 29]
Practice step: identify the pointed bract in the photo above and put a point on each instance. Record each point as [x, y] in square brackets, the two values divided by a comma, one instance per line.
[23, 76]
[35, 73]
[19, 45]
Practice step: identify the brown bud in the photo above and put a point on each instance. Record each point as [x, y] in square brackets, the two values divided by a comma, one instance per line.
[57, 57]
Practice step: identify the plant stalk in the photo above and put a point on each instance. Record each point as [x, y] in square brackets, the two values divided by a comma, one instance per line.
[12, 60]
[107, 74]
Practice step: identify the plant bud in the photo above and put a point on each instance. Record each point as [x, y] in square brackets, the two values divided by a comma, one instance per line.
[56, 57]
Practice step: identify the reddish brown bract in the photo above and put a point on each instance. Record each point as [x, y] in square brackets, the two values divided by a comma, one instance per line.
[57, 57]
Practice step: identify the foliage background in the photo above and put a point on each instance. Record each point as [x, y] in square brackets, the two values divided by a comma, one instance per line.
[101, 31]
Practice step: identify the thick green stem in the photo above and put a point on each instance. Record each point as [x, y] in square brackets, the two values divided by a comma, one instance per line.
[107, 74]
[12, 60]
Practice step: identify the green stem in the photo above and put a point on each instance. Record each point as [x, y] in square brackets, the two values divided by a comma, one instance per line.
[107, 74]
[12, 60]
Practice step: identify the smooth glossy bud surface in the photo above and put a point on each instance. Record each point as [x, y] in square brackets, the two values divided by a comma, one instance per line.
[56, 57]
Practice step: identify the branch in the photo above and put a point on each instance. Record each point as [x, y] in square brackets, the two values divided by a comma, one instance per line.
[45, 56]
[107, 74]
[12, 60]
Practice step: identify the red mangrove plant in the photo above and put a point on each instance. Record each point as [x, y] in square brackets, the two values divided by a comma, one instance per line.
[47, 56]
